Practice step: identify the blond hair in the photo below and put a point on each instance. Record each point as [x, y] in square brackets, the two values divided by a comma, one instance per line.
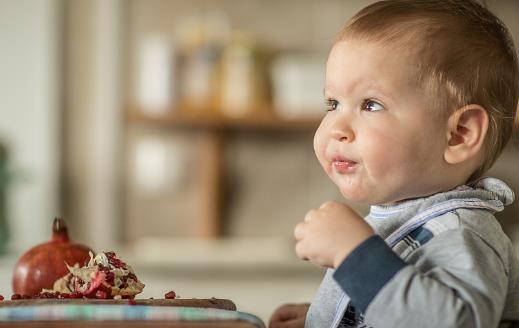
[464, 55]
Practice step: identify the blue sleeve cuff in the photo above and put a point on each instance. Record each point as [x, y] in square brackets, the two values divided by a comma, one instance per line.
[366, 270]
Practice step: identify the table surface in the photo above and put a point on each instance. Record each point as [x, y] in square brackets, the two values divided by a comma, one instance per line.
[126, 324]
[89, 313]
[215, 303]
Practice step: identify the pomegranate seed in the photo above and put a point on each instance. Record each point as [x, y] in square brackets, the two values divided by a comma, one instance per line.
[118, 263]
[76, 295]
[16, 297]
[170, 295]
[1, 298]
[101, 294]
[48, 295]
[114, 260]
[110, 278]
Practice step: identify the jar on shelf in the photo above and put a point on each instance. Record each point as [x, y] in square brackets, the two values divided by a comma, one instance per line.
[201, 40]
[242, 90]
[200, 77]
[156, 81]
[297, 84]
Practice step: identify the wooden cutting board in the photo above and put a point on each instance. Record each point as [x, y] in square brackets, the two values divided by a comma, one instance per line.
[216, 303]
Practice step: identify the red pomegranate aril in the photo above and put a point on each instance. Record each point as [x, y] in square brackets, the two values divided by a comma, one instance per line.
[1, 298]
[16, 297]
[114, 261]
[101, 295]
[75, 295]
[104, 269]
[170, 295]
[117, 263]
[110, 278]
[49, 295]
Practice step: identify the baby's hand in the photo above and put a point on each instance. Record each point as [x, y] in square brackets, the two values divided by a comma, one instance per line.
[289, 316]
[329, 234]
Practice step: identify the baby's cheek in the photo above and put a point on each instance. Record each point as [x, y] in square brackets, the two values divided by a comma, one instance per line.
[319, 147]
[383, 164]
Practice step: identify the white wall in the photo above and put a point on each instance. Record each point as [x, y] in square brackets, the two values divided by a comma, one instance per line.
[30, 113]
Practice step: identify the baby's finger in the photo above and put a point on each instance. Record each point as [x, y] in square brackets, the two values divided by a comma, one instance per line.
[284, 313]
[327, 204]
[301, 252]
[309, 215]
[299, 231]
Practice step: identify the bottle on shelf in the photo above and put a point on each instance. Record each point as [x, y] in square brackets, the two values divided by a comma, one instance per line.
[242, 88]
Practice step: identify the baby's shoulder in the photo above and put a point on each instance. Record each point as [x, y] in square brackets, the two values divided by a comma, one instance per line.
[473, 226]
[480, 222]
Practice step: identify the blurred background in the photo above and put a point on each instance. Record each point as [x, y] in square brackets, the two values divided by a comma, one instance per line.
[177, 133]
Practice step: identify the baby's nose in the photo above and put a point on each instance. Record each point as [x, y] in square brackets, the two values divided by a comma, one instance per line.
[343, 135]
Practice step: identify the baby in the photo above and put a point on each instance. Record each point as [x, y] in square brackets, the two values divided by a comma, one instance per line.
[421, 98]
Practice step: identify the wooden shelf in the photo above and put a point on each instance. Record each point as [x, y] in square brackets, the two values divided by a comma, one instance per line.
[212, 129]
[210, 119]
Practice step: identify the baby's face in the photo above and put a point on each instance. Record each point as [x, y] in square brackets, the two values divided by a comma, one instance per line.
[378, 142]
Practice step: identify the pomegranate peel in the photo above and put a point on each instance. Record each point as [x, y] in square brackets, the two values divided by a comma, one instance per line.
[42, 265]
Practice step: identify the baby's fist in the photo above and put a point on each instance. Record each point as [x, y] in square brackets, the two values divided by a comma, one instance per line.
[329, 234]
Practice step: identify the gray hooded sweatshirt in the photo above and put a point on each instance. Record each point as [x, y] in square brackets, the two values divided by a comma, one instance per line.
[440, 261]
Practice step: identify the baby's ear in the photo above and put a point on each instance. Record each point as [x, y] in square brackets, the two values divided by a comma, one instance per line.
[467, 128]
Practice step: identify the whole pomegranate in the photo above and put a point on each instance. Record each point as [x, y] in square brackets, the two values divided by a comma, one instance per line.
[43, 264]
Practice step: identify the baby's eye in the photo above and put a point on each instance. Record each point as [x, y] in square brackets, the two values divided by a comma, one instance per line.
[371, 106]
[331, 104]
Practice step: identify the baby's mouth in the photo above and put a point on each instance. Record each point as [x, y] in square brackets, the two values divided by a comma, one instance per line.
[343, 165]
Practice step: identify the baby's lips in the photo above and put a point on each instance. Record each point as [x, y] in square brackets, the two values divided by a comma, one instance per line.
[342, 158]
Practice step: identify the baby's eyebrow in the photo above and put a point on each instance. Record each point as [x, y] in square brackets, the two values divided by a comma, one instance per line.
[326, 91]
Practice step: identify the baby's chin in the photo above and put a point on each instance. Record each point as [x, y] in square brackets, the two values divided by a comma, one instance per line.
[357, 196]
[364, 195]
